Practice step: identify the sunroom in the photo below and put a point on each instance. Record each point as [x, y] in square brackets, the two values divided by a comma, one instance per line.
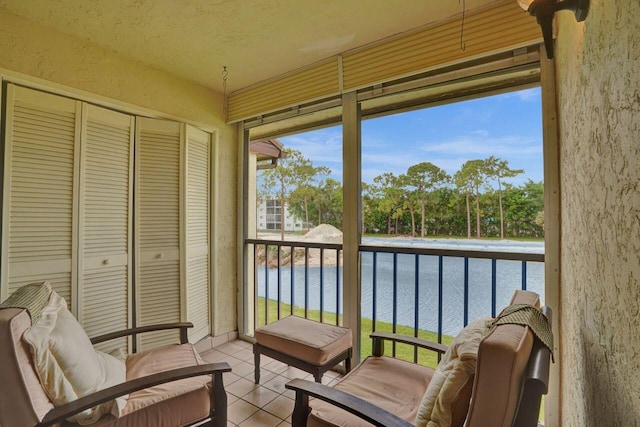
[129, 179]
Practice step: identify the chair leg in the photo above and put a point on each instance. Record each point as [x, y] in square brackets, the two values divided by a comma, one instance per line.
[256, 363]
[300, 410]
[347, 364]
[219, 404]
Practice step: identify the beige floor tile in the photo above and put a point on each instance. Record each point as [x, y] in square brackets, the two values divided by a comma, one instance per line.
[230, 348]
[244, 354]
[281, 407]
[241, 387]
[290, 394]
[276, 383]
[213, 356]
[231, 398]
[229, 378]
[261, 419]
[243, 369]
[284, 424]
[244, 344]
[274, 366]
[260, 396]
[265, 376]
[232, 361]
[240, 410]
[292, 373]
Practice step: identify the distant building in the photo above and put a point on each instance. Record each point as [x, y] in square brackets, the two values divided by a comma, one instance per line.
[269, 216]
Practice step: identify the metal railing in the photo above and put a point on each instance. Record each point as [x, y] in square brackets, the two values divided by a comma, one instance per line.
[416, 291]
[272, 258]
[419, 288]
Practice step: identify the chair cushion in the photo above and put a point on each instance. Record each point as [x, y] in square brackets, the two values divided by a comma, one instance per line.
[502, 360]
[446, 400]
[66, 362]
[304, 339]
[392, 384]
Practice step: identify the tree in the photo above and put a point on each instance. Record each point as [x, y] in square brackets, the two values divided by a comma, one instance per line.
[499, 169]
[423, 177]
[282, 180]
[469, 179]
[389, 190]
[522, 205]
[307, 189]
[329, 203]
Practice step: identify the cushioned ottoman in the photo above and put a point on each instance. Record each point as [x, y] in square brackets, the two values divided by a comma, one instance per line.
[311, 346]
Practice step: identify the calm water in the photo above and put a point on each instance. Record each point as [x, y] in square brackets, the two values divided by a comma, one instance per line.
[508, 278]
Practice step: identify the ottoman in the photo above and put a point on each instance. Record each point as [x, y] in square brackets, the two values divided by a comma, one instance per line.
[305, 344]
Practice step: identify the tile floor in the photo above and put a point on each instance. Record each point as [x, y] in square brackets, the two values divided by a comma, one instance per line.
[268, 404]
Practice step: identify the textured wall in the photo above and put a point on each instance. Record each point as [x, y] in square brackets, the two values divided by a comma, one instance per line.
[41, 52]
[599, 116]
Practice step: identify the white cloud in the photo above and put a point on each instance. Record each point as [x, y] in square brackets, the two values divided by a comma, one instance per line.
[512, 146]
[526, 95]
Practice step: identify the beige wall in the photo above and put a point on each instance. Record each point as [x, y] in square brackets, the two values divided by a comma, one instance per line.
[599, 116]
[37, 51]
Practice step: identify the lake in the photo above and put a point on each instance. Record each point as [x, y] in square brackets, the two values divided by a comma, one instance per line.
[508, 278]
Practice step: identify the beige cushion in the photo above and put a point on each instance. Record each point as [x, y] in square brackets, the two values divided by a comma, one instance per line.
[166, 405]
[502, 360]
[304, 339]
[446, 400]
[392, 384]
[66, 362]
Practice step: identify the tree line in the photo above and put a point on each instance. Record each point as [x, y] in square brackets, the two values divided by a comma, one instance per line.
[478, 200]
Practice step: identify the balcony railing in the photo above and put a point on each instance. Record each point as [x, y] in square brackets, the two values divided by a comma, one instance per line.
[422, 289]
[284, 278]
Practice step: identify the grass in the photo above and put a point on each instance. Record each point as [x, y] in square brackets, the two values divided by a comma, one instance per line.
[402, 351]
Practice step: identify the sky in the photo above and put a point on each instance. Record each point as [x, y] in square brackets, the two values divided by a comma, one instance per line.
[508, 126]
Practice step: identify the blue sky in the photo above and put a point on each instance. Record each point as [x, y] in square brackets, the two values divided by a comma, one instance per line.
[508, 126]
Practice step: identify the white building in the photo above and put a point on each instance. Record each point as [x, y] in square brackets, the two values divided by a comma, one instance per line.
[269, 216]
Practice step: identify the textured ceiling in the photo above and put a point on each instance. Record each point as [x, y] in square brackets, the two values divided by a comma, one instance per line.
[255, 39]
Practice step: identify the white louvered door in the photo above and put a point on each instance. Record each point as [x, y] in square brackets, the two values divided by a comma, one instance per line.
[197, 192]
[157, 225]
[68, 214]
[105, 223]
[40, 183]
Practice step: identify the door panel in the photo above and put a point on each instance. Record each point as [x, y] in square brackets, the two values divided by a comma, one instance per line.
[105, 223]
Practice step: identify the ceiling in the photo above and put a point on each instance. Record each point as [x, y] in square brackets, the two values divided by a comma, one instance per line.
[254, 39]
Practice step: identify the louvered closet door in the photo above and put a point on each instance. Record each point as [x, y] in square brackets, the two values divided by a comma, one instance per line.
[42, 131]
[197, 233]
[105, 223]
[157, 241]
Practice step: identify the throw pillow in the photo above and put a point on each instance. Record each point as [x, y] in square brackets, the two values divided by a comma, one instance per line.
[446, 400]
[66, 362]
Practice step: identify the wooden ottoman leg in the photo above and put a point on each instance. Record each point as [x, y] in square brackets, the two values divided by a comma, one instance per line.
[256, 362]
[347, 362]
